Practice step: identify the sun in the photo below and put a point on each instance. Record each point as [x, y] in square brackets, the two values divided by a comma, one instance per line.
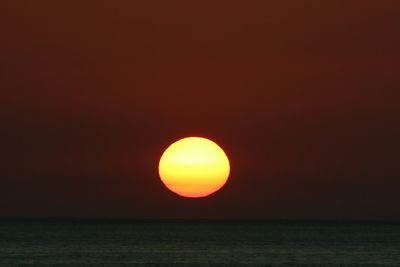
[194, 167]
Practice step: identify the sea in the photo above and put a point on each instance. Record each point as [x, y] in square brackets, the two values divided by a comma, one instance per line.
[198, 243]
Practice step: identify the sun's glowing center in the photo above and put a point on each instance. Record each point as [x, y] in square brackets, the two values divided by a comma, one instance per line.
[194, 167]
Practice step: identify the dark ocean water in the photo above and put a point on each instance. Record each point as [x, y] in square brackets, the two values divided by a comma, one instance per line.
[128, 243]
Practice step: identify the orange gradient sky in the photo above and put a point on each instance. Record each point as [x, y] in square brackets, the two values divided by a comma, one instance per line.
[303, 95]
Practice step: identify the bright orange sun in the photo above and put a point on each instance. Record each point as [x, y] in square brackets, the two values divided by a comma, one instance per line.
[194, 167]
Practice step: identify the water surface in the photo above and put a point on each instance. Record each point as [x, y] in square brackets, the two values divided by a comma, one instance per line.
[198, 243]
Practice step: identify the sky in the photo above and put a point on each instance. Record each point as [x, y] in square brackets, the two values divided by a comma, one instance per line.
[303, 96]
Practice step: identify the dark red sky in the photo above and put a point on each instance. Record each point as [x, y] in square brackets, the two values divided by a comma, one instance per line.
[303, 96]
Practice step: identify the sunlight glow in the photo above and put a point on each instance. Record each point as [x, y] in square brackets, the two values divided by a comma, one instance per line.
[194, 167]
